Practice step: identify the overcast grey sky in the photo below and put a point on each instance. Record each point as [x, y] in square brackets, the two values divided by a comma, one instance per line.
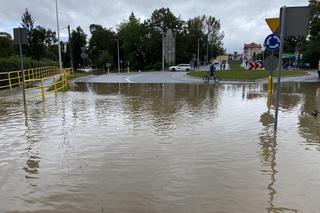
[241, 20]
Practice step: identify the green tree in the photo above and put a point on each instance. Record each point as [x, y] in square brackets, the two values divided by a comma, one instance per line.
[78, 39]
[131, 34]
[310, 46]
[101, 44]
[42, 41]
[160, 20]
[6, 44]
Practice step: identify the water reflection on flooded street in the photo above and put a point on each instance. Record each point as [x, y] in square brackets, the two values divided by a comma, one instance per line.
[162, 148]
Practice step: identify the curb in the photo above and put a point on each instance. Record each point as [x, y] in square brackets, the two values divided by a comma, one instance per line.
[250, 81]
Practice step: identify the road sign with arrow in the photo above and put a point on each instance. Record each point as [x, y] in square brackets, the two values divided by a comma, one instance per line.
[272, 42]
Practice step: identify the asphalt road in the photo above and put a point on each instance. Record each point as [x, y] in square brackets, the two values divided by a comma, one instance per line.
[177, 77]
[142, 77]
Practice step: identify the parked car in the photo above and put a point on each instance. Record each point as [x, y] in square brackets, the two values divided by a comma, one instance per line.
[180, 67]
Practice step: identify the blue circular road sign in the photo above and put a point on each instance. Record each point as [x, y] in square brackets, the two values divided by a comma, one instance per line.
[272, 42]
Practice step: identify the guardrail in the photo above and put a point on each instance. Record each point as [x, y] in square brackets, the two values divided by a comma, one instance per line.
[41, 87]
[9, 80]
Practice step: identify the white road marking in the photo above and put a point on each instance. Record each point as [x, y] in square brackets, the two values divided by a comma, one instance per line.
[128, 80]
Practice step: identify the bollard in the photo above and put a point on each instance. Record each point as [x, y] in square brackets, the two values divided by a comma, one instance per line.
[270, 84]
[66, 80]
[42, 90]
[19, 83]
[128, 69]
[269, 100]
[9, 78]
[55, 85]
[62, 81]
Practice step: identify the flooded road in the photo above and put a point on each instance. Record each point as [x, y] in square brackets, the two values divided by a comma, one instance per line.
[162, 148]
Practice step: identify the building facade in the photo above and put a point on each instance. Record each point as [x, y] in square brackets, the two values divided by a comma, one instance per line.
[250, 51]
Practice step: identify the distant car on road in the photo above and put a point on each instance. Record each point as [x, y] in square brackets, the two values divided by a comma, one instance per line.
[181, 67]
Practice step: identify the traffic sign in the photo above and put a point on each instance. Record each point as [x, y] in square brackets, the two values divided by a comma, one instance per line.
[108, 65]
[272, 42]
[271, 63]
[255, 65]
[273, 24]
[84, 55]
[251, 66]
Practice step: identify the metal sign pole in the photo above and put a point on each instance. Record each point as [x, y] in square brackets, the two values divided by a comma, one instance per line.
[22, 72]
[283, 16]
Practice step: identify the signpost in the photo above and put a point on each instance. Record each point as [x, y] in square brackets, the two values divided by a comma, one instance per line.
[294, 21]
[270, 63]
[273, 24]
[20, 38]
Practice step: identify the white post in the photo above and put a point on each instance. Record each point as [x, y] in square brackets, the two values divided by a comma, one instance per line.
[58, 32]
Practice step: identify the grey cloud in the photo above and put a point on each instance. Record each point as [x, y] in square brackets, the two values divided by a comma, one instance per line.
[241, 20]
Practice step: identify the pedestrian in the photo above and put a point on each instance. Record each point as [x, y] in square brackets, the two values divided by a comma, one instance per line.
[212, 71]
[224, 66]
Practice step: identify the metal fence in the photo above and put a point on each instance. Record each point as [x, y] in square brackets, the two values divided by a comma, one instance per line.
[39, 82]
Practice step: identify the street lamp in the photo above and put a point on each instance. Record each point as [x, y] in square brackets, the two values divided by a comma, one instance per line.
[59, 47]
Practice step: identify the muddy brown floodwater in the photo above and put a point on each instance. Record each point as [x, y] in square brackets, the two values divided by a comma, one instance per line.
[162, 148]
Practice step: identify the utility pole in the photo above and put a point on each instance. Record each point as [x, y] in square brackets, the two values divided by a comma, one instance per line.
[58, 32]
[70, 49]
[118, 55]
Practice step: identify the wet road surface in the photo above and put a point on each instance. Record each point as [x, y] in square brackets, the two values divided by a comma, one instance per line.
[161, 148]
[178, 77]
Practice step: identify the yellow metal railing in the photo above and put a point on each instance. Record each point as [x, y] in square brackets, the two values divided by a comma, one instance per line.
[9, 80]
[42, 87]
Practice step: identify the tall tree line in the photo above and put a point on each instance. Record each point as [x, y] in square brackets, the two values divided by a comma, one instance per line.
[140, 42]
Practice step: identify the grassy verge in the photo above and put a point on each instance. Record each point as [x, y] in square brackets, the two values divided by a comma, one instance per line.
[245, 75]
[74, 76]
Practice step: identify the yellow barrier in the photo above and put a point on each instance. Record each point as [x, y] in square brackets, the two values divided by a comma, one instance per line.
[9, 80]
[48, 85]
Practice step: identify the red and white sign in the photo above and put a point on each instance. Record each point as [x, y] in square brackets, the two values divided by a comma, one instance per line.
[255, 66]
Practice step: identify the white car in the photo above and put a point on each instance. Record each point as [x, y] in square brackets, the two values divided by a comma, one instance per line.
[181, 67]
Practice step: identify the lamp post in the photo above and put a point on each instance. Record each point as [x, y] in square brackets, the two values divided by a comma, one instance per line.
[58, 32]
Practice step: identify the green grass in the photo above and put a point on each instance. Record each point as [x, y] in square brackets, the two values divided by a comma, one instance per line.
[245, 75]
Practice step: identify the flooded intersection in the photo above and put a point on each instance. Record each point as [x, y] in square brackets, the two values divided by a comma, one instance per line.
[162, 148]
